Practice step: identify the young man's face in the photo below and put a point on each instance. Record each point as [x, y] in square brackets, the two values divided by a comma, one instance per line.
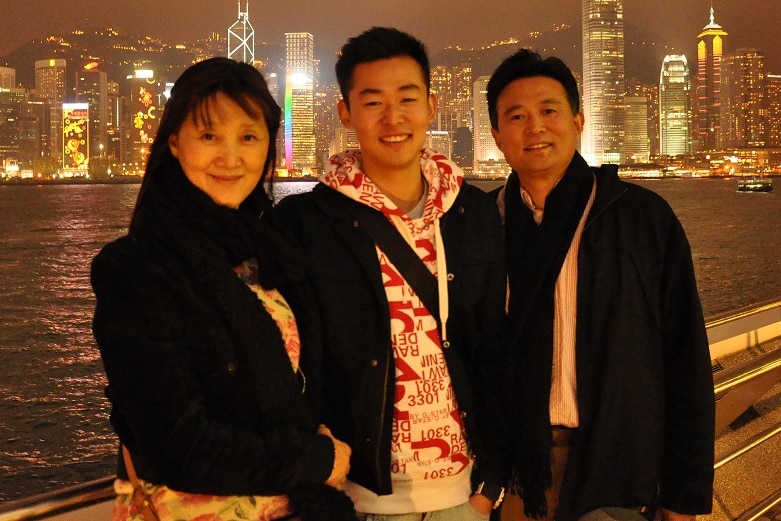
[537, 131]
[390, 110]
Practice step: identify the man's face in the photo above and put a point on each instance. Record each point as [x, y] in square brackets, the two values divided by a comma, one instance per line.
[390, 110]
[537, 131]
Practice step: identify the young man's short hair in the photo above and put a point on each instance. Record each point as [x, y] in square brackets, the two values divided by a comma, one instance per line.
[378, 43]
[526, 64]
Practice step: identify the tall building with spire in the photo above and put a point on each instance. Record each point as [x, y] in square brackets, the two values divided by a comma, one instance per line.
[675, 112]
[241, 38]
[710, 116]
[300, 156]
[604, 85]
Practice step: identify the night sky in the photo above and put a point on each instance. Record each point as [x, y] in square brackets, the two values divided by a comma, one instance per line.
[439, 23]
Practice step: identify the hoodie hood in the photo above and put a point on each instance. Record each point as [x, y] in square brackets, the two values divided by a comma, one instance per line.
[344, 173]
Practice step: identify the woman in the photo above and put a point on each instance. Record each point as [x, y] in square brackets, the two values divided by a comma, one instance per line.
[202, 321]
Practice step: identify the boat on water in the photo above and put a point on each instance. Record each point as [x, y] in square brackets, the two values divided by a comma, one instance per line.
[755, 184]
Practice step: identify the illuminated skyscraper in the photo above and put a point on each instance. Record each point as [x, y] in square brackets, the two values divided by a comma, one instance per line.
[744, 99]
[50, 87]
[92, 88]
[11, 103]
[675, 106]
[709, 120]
[603, 81]
[241, 38]
[7, 78]
[636, 145]
[773, 110]
[299, 103]
[488, 159]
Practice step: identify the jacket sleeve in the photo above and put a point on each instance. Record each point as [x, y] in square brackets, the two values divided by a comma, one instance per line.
[490, 357]
[159, 407]
[687, 472]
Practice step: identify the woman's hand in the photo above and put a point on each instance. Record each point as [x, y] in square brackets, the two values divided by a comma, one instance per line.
[342, 453]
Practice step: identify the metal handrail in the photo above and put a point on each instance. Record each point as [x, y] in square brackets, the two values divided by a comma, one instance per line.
[72, 498]
[762, 508]
[740, 374]
[58, 502]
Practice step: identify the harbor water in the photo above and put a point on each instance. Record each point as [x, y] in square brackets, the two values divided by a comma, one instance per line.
[54, 428]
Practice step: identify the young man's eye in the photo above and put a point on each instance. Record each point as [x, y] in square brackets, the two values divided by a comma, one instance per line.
[250, 137]
[208, 136]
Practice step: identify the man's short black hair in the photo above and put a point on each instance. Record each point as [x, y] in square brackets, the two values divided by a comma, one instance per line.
[378, 43]
[526, 64]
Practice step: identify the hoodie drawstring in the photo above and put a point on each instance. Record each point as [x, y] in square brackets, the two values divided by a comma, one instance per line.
[442, 280]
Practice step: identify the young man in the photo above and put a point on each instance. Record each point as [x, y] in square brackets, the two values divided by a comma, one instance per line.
[411, 361]
[609, 387]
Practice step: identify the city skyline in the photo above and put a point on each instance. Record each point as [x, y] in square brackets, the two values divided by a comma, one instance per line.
[440, 24]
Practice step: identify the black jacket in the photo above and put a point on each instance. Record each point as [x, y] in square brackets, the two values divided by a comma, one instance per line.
[358, 358]
[645, 388]
[202, 389]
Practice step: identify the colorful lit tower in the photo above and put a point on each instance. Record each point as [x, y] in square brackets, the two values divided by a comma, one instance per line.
[241, 38]
[299, 103]
[603, 81]
[710, 48]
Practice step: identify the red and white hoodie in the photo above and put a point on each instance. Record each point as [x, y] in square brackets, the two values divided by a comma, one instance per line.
[430, 464]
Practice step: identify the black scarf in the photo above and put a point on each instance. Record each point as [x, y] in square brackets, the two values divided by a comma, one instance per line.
[211, 240]
[535, 254]
[234, 234]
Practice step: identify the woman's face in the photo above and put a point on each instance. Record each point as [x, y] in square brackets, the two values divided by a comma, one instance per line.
[225, 156]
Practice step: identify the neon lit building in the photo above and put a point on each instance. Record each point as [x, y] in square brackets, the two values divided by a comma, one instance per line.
[603, 81]
[75, 138]
[241, 38]
[709, 120]
[300, 157]
[144, 115]
[675, 114]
